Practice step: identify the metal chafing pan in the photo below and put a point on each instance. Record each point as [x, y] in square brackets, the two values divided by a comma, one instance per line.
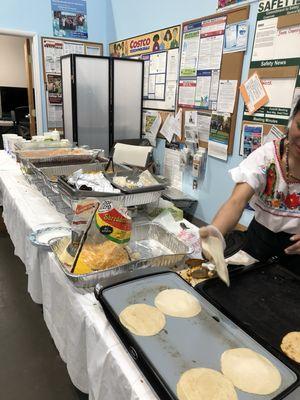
[184, 343]
[155, 245]
[145, 189]
[71, 196]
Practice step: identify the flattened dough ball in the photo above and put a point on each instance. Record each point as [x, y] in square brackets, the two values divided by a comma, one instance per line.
[142, 320]
[177, 303]
[205, 384]
[290, 345]
[250, 371]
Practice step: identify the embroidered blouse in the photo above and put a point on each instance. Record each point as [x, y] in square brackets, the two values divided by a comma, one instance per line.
[276, 207]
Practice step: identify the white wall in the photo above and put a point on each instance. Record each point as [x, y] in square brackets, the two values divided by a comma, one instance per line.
[12, 62]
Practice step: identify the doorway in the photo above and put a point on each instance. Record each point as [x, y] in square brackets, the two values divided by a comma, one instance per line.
[20, 88]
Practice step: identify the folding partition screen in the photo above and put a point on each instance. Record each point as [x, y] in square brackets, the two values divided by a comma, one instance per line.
[102, 99]
[86, 100]
[92, 101]
[127, 98]
[66, 73]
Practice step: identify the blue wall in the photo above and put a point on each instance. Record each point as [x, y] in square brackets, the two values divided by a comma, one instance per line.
[133, 17]
[110, 20]
[35, 16]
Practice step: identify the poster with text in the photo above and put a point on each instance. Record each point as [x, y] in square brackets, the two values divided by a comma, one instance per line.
[69, 18]
[252, 138]
[276, 58]
[164, 39]
[54, 89]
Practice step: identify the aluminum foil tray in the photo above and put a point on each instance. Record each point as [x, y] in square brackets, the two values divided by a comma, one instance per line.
[71, 196]
[50, 174]
[40, 160]
[42, 145]
[124, 189]
[184, 343]
[170, 251]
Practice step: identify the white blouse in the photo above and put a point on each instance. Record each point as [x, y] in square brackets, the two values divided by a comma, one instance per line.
[275, 207]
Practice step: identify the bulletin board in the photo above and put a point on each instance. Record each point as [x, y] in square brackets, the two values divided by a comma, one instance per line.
[160, 52]
[196, 79]
[52, 50]
[276, 60]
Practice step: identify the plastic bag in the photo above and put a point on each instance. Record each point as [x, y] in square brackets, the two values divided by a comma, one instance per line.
[103, 244]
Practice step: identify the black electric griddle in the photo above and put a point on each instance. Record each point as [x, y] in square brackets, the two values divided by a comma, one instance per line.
[184, 343]
[264, 300]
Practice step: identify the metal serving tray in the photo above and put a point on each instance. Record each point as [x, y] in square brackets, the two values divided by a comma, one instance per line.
[124, 189]
[170, 251]
[184, 343]
[78, 194]
[71, 196]
[40, 155]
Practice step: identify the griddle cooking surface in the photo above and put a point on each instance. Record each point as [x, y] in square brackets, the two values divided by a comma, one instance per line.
[184, 343]
[266, 301]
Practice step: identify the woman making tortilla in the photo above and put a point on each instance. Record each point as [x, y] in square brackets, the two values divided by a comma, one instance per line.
[270, 179]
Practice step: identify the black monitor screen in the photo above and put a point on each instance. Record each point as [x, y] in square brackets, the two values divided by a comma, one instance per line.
[11, 98]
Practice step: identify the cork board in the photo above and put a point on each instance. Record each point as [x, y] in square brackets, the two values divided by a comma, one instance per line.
[231, 65]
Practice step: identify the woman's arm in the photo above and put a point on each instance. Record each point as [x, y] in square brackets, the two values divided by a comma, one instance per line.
[230, 213]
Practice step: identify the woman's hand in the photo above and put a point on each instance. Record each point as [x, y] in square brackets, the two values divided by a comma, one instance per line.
[294, 248]
[211, 230]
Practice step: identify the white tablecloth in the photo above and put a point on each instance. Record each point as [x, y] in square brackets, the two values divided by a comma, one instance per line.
[96, 360]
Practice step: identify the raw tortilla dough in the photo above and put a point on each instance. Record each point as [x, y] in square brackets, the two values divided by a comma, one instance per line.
[213, 250]
[205, 384]
[177, 303]
[290, 345]
[250, 371]
[143, 320]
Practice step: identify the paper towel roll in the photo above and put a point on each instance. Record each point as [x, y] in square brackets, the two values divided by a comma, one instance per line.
[136, 156]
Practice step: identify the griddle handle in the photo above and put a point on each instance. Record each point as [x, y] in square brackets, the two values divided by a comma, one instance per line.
[97, 290]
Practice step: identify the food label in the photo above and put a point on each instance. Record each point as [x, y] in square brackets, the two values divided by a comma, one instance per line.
[114, 223]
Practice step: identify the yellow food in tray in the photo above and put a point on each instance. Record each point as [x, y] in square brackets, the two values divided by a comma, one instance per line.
[96, 257]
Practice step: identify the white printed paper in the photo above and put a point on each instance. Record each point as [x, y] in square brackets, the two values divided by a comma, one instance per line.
[186, 97]
[203, 124]
[189, 53]
[158, 63]
[272, 44]
[73, 48]
[172, 126]
[236, 37]
[214, 85]
[146, 78]
[93, 50]
[172, 65]
[227, 94]
[152, 122]
[203, 89]
[211, 43]
[172, 168]
[53, 50]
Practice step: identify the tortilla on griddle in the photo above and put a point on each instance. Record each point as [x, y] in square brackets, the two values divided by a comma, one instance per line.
[205, 384]
[177, 303]
[142, 319]
[290, 345]
[250, 371]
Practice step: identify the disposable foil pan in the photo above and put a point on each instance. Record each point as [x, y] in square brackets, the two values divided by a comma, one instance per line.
[50, 174]
[171, 251]
[71, 196]
[42, 155]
